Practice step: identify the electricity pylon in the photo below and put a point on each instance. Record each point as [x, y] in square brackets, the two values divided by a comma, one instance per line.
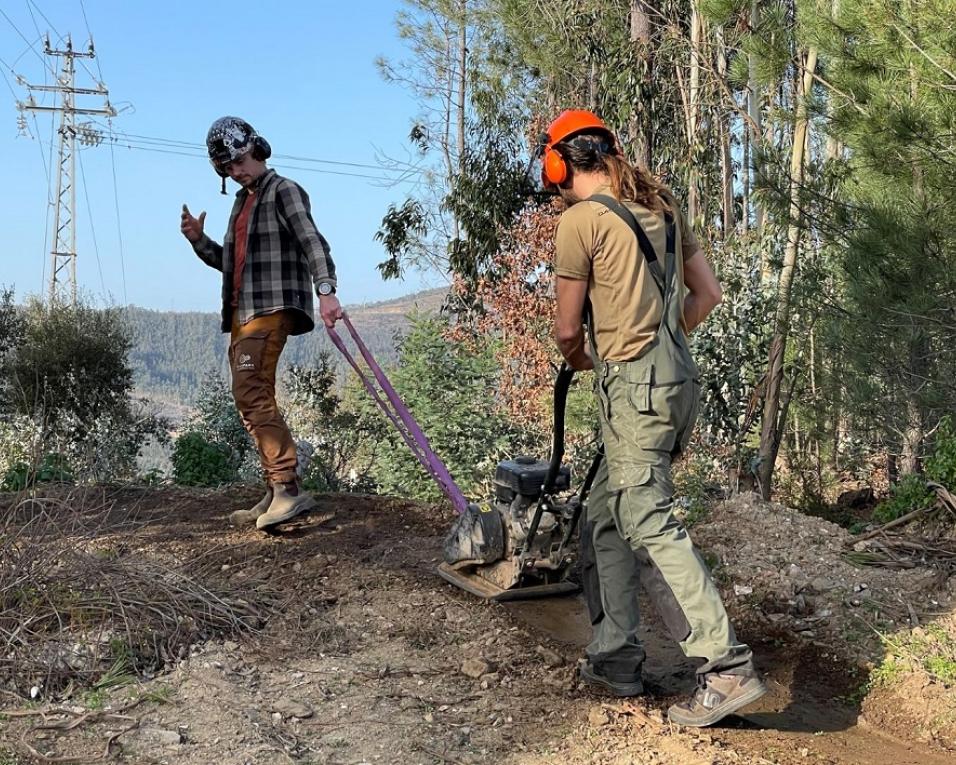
[63, 254]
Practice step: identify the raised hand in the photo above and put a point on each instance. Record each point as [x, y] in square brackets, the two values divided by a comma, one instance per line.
[192, 227]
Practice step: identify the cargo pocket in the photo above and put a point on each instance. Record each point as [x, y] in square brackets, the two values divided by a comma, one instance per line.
[639, 380]
[655, 429]
[247, 353]
[626, 476]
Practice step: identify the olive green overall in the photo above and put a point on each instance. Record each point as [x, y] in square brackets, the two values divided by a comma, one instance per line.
[648, 407]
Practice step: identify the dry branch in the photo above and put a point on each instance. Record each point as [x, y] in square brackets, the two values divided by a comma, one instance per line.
[77, 609]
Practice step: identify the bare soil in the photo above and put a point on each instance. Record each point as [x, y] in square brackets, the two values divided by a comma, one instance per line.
[369, 657]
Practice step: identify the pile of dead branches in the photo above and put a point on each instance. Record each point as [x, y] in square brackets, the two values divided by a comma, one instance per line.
[890, 546]
[75, 610]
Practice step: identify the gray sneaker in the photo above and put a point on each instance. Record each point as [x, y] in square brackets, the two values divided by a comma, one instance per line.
[248, 517]
[591, 676]
[717, 696]
[288, 501]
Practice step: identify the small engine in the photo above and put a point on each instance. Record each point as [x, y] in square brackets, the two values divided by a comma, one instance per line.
[490, 540]
[518, 485]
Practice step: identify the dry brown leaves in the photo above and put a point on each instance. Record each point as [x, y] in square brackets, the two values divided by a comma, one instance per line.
[518, 299]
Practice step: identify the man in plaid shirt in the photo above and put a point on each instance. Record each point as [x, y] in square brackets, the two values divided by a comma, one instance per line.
[270, 258]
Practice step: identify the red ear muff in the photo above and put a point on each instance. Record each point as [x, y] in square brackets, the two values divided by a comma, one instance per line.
[554, 170]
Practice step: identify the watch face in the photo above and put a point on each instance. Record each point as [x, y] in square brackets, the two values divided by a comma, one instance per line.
[325, 288]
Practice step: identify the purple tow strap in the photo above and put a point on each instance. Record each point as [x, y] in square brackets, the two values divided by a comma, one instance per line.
[398, 413]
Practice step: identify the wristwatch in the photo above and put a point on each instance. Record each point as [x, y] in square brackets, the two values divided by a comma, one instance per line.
[326, 288]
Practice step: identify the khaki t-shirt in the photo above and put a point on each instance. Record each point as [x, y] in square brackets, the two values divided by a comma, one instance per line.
[593, 243]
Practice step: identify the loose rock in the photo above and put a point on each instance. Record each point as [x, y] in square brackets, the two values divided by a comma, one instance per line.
[291, 708]
[598, 717]
[475, 668]
[161, 736]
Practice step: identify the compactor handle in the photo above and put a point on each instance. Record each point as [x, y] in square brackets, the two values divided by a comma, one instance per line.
[561, 385]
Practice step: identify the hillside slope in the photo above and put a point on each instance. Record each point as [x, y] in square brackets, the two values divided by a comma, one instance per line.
[173, 350]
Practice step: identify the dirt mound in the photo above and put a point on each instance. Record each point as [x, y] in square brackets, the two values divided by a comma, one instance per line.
[788, 575]
[793, 574]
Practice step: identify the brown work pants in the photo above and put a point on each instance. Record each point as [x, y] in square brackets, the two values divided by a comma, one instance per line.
[254, 350]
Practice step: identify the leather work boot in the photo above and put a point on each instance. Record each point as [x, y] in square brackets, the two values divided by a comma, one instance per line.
[288, 501]
[246, 517]
[619, 687]
[717, 696]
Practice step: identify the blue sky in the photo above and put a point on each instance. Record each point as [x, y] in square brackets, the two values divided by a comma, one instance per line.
[302, 73]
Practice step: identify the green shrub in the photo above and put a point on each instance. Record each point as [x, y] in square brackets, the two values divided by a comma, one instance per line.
[695, 487]
[198, 462]
[451, 390]
[911, 493]
[907, 495]
[216, 422]
[345, 433]
[941, 466]
[66, 384]
[52, 468]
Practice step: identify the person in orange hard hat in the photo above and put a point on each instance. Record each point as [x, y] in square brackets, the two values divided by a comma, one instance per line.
[629, 268]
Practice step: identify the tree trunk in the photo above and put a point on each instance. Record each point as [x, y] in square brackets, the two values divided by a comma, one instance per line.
[462, 79]
[754, 96]
[913, 436]
[834, 144]
[641, 22]
[914, 430]
[773, 416]
[727, 180]
[745, 178]
[726, 161]
[641, 37]
[693, 114]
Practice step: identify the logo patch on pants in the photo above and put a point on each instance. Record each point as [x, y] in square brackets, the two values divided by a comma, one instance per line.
[244, 362]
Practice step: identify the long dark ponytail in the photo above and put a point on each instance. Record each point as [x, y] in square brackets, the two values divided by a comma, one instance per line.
[597, 152]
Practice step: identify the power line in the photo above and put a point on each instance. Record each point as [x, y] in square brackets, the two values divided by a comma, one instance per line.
[89, 32]
[59, 36]
[31, 49]
[46, 168]
[198, 151]
[23, 37]
[295, 158]
[7, 80]
[34, 18]
[136, 146]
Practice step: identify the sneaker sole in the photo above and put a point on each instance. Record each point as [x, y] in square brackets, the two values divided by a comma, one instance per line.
[266, 522]
[718, 713]
[621, 690]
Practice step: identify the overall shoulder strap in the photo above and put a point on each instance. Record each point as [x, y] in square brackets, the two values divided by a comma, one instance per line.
[644, 244]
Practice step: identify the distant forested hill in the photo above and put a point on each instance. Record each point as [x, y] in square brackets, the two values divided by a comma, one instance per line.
[173, 351]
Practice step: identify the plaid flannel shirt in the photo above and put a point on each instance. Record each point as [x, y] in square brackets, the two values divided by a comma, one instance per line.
[285, 255]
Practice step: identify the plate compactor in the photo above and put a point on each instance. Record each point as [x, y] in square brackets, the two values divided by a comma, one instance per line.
[520, 544]
[523, 543]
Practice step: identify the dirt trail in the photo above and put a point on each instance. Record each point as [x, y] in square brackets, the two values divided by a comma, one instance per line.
[806, 708]
[375, 659]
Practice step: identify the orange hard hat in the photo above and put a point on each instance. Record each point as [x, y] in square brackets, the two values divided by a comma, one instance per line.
[554, 168]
